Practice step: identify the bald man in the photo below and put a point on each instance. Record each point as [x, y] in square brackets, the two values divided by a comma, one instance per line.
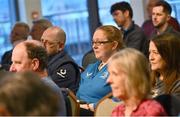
[30, 55]
[61, 67]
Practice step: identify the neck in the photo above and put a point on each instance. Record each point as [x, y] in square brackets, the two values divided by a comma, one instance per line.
[161, 74]
[162, 28]
[42, 73]
[131, 105]
[105, 60]
[127, 24]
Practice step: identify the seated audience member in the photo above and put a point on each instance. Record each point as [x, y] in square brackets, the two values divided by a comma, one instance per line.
[165, 64]
[61, 67]
[148, 27]
[106, 41]
[39, 26]
[30, 55]
[133, 35]
[23, 94]
[129, 77]
[161, 13]
[18, 34]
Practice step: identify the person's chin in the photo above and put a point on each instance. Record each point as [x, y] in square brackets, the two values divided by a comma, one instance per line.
[153, 68]
[97, 56]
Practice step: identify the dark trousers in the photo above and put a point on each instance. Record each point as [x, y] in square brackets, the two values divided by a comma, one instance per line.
[85, 112]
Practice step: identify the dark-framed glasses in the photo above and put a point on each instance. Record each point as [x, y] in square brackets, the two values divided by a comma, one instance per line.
[100, 42]
[49, 42]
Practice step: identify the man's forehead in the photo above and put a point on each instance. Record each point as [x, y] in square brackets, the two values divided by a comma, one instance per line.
[117, 11]
[49, 37]
[158, 8]
[19, 48]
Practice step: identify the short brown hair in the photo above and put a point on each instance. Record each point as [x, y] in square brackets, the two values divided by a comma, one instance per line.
[35, 50]
[166, 7]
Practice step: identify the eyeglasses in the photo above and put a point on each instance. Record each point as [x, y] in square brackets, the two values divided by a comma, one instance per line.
[48, 42]
[100, 42]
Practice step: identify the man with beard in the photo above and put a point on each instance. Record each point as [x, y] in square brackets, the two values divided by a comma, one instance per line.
[160, 16]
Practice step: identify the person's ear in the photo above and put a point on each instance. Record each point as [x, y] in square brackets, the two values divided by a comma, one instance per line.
[115, 45]
[168, 17]
[35, 64]
[126, 13]
[61, 46]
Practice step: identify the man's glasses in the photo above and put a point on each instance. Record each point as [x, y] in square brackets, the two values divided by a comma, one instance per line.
[100, 42]
[50, 43]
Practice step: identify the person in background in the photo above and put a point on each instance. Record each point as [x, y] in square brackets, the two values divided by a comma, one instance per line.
[148, 26]
[129, 77]
[39, 26]
[61, 67]
[133, 35]
[23, 94]
[106, 41]
[18, 34]
[165, 65]
[161, 13]
[30, 55]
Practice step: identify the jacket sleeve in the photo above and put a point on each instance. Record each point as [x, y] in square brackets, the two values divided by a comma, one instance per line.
[66, 76]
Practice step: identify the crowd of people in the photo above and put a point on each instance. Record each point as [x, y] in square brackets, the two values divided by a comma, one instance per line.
[139, 65]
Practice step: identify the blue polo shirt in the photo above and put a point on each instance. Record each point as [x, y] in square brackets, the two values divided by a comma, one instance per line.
[93, 84]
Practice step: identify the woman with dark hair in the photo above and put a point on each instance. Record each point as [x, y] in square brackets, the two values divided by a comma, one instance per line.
[164, 55]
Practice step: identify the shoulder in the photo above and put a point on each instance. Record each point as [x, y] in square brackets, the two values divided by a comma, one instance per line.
[119, 110]
[147, 23]
[152, 107]
[93, 65]
[48, 81]
[64, 61]
[138, 29]
[175, 88]
[68, 66]
[136, 32]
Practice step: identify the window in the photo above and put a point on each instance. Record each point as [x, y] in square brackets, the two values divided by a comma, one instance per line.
[104, 11]
[6, 21]
[175, 4]
[72, 17]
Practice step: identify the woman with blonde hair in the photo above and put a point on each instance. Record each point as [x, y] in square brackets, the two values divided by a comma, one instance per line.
[129, 77]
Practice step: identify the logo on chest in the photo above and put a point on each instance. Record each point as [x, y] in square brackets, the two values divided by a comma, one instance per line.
[62, 73]
[104, 75]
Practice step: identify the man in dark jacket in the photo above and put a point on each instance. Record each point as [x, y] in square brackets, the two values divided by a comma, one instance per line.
[161, 14]
[132, 34]
[18, 34]
[61, 67]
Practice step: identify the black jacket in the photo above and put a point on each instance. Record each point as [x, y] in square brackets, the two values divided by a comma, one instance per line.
[64, 71]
